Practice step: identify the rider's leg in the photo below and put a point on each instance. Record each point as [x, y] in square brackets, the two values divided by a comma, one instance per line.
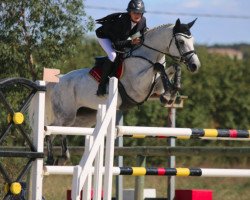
[108, 65]
[107, 69]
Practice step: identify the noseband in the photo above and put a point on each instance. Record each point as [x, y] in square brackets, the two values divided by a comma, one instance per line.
[183, 55]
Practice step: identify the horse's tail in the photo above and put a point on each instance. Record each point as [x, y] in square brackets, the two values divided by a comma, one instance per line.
[48, 112]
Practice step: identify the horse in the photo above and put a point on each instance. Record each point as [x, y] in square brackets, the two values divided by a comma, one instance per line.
[73, 101]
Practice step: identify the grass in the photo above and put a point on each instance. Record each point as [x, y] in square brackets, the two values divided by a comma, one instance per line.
[223, 188]
[55, 187]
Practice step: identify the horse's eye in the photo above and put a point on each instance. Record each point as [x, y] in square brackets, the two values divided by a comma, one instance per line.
[181, 42]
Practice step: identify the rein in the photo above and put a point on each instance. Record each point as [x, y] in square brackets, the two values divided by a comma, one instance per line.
[130, 101]
[182, 57]
[149, 47]
[151, 88]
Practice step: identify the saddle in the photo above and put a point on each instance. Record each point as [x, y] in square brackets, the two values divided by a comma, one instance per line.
[96, 71]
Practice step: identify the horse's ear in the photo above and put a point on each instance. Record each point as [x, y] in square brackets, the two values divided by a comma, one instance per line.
[178, 23]
[177, 26]
[191, 23]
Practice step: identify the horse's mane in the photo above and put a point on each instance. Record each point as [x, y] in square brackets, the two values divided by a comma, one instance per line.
[151, 31]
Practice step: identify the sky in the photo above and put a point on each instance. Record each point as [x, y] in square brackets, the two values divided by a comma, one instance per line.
[233, 29]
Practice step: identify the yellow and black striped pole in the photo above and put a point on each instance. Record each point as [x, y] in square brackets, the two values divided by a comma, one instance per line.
[142, 171]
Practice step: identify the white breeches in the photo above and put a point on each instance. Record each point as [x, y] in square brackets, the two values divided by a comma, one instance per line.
[107, 47]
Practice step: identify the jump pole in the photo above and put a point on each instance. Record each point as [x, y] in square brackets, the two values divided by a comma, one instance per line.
[155, 171]
[182, 133]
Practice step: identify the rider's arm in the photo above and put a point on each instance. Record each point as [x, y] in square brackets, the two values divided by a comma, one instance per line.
[145, 27]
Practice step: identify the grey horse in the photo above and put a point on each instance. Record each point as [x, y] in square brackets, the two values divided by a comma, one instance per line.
[73, 101]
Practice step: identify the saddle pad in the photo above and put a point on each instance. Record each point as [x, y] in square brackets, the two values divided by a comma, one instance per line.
[96, 72]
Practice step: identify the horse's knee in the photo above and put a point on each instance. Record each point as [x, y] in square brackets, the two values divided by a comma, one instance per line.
[158, 67]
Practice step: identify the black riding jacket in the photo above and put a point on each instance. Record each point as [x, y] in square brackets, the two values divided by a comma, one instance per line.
[117, 28]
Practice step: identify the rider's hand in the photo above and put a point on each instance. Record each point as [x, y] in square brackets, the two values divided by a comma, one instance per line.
[136, 41]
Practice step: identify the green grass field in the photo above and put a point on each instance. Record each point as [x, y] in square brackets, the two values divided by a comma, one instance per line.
[223, 188]
[55, 187]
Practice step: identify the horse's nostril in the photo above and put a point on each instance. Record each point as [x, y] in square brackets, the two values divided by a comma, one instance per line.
[192, 67]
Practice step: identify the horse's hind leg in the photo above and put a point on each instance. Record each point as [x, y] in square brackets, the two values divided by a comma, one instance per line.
[68, 121]
[65, 151]
[65, 155]
[50, 156]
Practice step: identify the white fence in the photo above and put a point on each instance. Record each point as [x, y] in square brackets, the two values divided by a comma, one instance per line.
[92, 161]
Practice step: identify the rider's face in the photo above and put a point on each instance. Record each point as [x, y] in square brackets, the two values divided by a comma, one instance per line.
[135, 16]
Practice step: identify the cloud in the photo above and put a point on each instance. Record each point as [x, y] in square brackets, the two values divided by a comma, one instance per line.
[192, 4]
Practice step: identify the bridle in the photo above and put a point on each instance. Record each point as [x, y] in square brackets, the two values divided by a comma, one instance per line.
[184, 56]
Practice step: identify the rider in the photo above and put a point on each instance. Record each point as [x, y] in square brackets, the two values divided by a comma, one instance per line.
[114, 35]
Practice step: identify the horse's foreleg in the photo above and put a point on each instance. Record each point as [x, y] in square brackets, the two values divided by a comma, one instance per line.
[167, 97]
[50, 157]
[176, 83]
[164, 77]
[171, 89]
[177, 77]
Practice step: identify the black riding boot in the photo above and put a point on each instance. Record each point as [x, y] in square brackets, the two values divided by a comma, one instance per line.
[107, 68]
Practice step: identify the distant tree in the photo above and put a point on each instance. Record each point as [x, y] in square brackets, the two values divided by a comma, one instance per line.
[218, 96]
[38, 33]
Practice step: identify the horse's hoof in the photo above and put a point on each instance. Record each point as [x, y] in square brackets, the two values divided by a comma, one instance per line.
[100, 95]
[67, 155]
[62, 160]
[50, 161]
[163, 100]
[170, 102]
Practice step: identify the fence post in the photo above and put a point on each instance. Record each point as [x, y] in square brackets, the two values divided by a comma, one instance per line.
[171, 159]
[86, 190]
[38, 141]
[110, 141]
[119, 159]
[99, 159]
[140, 180]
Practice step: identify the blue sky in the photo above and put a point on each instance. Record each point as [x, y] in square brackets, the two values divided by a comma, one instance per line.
[207, 30]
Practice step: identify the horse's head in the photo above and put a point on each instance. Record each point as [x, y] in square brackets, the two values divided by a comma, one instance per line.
[182, 45]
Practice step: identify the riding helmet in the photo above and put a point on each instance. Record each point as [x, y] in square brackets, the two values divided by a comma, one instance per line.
[136, 6]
